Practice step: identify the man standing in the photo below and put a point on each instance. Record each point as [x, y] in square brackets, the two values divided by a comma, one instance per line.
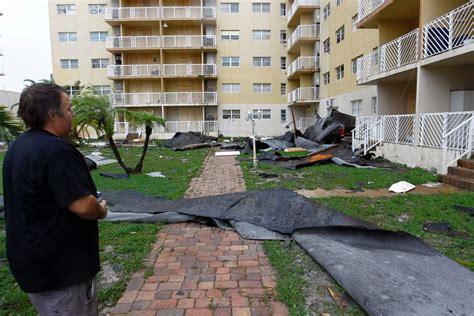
[51, 209]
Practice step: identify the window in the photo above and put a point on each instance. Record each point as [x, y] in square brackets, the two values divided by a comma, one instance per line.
[356, 106]
[262, 114]
[69, 64]
[282, 88]
[326, 78]
[66, 9]
[231, 61]
[100, 62]
[282, 36]
[260, 7]
[282, 62]
[104, 90]
[282, 9]
[283, 115]
[66, 37]
[231, 87]
[330, 103]
[228, 35]
[261, 34]
[326, 11]
[340, 72]
[72, 90]
[354, 22]
[340, 34]
[229, 7]
[262, 62]
[97, 8]
[374, 105]
[262, 88]
[354, 64]
[98, 36]
[327, 46]
[338, 2]
[231, 114]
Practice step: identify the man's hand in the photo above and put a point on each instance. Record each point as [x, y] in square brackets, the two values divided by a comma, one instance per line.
[88, 207]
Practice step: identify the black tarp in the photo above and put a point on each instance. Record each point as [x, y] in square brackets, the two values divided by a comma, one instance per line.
[189, 138]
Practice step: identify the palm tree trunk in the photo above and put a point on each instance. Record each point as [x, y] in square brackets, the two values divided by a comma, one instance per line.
[139, 166]
[112, 144]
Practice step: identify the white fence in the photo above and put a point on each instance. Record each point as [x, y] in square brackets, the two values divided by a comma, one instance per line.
[449, 31]
[365, 7]
[300, 3]
[155, 42]
[309, 94]
[458, 143]
[305, 31]
[205, 127]
[162, 70]
[304, 63]
[167, 98]
[164, 12]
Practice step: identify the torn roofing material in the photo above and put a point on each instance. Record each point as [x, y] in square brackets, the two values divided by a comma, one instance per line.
[189, 138]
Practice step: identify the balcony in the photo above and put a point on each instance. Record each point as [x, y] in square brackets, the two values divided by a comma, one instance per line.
[451, 31]
[163, 99]
[161, 70]
[394, 57]
[140, 43]
[303, 34]
[298, 7]
[303, 64]
[119, 15]
[304, 95]
[371, 12]
[122, 129]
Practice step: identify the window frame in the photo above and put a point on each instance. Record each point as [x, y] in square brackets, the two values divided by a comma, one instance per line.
[354, 22]
[66, 9]
[338, 2]
[99, 9]
[283, 37]
[283, 90]
[282, 9]
[358, 107]
[260, 88]
[261, 61]
[230, 35]
[340, 72]
[283, 116]
[230, 115]
[340, 34]
[266, 114]
[101, 63]
[260, 6]
[100, 36]
[327, 45]
[99, 89]
[230, 7]
[232, 61]
[354, 63]
[283, 62]
[327, 11]
[264, 35]
[232, 86]
[72, 63]
[326, 78]
[68, 37]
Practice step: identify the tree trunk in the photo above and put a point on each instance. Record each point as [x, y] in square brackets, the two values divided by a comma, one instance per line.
[112, 144]
[139, 166]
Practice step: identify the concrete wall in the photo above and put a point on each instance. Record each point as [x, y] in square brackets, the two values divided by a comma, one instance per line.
[436, 83]
[393, 97]
[343, 101]
[433, 9]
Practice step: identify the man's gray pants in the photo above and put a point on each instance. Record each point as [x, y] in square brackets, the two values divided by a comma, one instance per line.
[78, 299]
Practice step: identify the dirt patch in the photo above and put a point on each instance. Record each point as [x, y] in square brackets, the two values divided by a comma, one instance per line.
[109, 275]
[420, 189]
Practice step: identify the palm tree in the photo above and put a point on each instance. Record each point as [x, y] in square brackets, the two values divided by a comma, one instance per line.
[96, 111]
[9, 126]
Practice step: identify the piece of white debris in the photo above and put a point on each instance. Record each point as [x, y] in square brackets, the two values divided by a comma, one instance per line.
[432, 184]
[227, 153]
[156, 174]
[401, 187]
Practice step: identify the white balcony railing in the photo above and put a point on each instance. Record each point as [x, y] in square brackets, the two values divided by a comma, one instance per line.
[452, 30]
[306, 94]
[366, 7]
[164, 12]
[304, 63]
[395, 54]
[298, 4]
[206, 127]
[166, 98]
[162, 70]
[156, 42]
[309, 31]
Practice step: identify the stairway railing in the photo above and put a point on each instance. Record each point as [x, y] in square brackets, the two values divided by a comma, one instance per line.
[458, 143]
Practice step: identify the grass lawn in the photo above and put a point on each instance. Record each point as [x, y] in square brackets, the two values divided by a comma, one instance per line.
[122, 245]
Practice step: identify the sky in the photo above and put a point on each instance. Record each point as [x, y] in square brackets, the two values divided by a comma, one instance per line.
[24, 29]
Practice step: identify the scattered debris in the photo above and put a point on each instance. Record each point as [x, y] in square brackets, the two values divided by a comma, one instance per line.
[181, 140]
[465, 209]
[432, 184]
[441, 228]
[114, 175]
[227, 153]
[338, 299]
[401, 187]
[230, 146]
[99, 159]
[268, 175]
[156, 174]
[295, 150]
[403, 218]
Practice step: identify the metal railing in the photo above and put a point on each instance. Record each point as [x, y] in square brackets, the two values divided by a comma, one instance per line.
[164, 12]
[434, 125]
[399, 129]
[366, 7]
[458, 143]
[367, 135]
[162, 70]
[304, 63]
[304, 122]
[449, 31]
[397, 53]
[306, 31]
[166, 98]
[170, 127]
[300, 3]
[305, 94]
[155, 42]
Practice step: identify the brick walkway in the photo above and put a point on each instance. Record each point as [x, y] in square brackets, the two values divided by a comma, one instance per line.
[205, 271]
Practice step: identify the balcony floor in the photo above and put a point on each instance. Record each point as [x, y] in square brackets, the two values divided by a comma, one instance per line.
[403, 73]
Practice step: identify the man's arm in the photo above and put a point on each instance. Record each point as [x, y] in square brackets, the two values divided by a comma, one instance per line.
[87, 207]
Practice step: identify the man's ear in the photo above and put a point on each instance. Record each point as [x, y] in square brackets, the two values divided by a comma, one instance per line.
[52, 115]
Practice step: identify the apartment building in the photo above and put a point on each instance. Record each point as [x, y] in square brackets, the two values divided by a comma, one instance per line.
[342, 44]
[424, 72]
[2, 73]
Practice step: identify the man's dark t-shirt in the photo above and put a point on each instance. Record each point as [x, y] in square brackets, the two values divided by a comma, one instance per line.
[48, 246]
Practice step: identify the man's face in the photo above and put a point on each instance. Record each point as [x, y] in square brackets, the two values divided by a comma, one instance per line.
[64, 118]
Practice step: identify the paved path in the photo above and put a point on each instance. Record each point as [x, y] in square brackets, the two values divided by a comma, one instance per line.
[205, 271]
